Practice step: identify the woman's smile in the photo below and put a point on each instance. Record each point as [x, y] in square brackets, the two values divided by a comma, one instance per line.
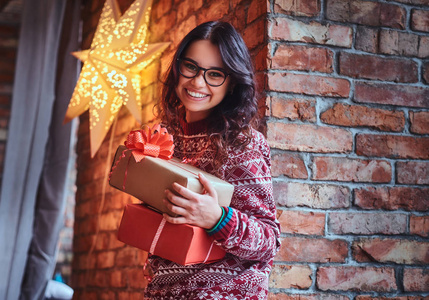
[195, 94]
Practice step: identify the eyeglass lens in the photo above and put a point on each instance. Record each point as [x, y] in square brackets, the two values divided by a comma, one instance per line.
[213, 77]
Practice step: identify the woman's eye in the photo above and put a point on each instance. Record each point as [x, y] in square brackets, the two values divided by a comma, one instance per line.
[190, 66]
[215, 74]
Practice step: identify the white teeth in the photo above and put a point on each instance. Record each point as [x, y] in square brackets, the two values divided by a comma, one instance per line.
[196, 95]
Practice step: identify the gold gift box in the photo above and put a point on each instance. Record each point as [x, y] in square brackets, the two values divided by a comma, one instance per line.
[148, 179]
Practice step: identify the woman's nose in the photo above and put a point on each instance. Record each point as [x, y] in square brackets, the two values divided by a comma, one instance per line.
[199, 80]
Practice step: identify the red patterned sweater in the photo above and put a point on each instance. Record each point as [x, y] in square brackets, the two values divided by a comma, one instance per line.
[250, 237]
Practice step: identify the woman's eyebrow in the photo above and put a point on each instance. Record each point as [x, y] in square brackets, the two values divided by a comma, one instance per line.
[212, 67]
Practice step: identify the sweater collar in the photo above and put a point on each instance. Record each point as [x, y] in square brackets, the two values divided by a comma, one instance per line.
[194, 128]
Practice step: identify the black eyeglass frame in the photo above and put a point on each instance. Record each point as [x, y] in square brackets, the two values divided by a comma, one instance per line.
[179, 60]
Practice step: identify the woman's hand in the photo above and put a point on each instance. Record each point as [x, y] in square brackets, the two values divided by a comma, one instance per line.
[200, 210]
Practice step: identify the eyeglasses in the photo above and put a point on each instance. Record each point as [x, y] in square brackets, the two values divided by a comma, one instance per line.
[190, 69]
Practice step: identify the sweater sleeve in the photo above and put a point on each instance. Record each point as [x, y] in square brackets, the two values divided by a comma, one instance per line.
[250, 230]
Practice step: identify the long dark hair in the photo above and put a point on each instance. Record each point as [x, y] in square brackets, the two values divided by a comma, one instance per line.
[230, 121]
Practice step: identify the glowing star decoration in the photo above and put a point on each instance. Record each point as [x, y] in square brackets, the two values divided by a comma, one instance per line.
[110, 76]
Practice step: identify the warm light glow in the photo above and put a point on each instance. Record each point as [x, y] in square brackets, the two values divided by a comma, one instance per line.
[110, 76]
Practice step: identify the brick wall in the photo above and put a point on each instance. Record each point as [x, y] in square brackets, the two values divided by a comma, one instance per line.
[348, 125]
[345, 87]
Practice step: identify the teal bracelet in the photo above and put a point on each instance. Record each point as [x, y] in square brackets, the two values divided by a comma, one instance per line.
[225, 221]
[220, 220]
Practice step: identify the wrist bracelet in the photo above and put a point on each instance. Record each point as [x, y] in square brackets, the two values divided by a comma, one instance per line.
[218, 223]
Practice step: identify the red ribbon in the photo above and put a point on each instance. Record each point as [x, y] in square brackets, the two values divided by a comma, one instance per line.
[155, 142]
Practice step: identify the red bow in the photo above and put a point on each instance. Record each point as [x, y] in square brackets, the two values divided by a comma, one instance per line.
[155, 141]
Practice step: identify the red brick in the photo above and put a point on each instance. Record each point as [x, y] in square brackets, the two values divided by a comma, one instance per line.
[186, 8]
[256, 9]
[419, 122]
[294, 194]
[367, 39]
[306, 8]
[347, 169]
[5, 100]
[366, 13]
[6, 88]
[362, 297]
[356, 279]
[136, 278]
[85, 261]
[423, 49]
[286, 277]
[183, 29]
[296, 249]
[412, 172]
[294, 296]
[261, 60]
[102, 241]
[294, 57]
[161, 8]
[313, 32]
[293, 109]
[393, 146]
[238, 15]
[110, 220]
[416, 2]
[255, 34]
[367, 223]
[290, 165]
[214, 11]
[83, 243]
[419, 225]
[129, 257]
[106, 259]
[302, 222]
[363, 116]
[114, 243]
[391, 251]
[398, 43]
[416, 280]
[309, 138]
[163, 25]
[86, 226]
[420, 20]
[425, 72]
[392, 198]
[8, 42]
[308, 84]
[85, 295]
[378, 68]
[117, 279]
[391, 94]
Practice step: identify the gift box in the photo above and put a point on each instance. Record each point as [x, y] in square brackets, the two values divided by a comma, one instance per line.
[146, 229]
[148, 179]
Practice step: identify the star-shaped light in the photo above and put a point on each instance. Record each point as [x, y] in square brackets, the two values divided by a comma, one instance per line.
[110, 76]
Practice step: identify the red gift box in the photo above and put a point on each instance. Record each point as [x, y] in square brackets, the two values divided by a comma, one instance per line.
[146, 229]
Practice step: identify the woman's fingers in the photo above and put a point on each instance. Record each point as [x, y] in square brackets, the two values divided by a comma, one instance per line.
[208, 187]
[184, 192]
[174, 220]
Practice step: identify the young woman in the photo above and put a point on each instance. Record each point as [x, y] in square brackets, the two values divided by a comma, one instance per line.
[209, 106]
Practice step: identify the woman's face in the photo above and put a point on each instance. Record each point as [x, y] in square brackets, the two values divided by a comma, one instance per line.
[196, 95]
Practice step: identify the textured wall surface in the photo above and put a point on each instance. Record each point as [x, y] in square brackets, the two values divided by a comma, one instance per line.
[344, 88]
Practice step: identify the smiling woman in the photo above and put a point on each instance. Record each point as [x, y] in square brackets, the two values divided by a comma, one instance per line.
[209, 105]
[201, 89]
